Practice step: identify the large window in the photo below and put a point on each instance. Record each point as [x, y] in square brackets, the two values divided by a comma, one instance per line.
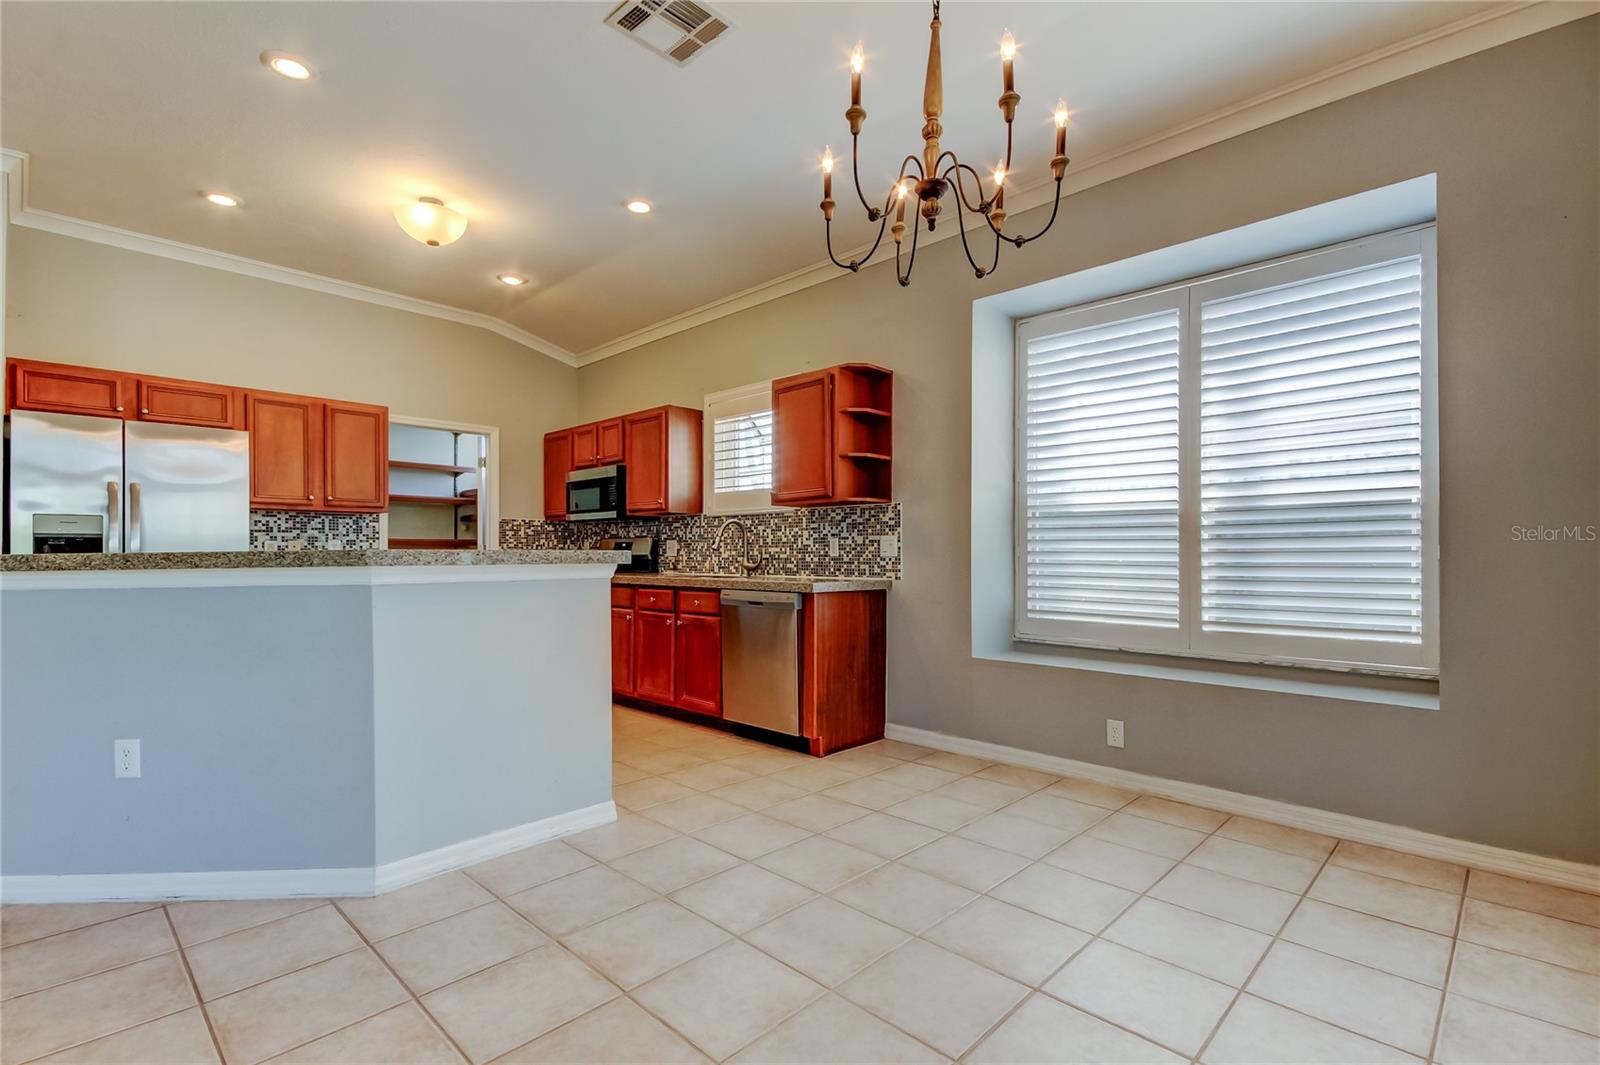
[1241, 467]
[738, 472]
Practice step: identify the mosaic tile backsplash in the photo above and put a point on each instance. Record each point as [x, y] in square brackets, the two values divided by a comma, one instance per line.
[294, 530]
[793, 542]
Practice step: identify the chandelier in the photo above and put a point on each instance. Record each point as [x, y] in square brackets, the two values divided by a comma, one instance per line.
[921, 180]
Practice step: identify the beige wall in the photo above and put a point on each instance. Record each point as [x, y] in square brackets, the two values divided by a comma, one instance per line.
[1512, 756]
[69, 300]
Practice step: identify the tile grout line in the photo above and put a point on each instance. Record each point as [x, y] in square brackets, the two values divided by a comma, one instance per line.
[148, 906]
[1444, 989]
[1277, 937]
[396, 977]
[194, 985]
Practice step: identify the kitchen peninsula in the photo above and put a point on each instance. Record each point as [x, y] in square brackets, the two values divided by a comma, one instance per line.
[308, 723]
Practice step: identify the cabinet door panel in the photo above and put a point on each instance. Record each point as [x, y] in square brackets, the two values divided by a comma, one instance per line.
[802, 420]
[622, 651]
[190, 403]
[356, 469]
[68, 389]
[608, 442]
[584, 444]
[285, 451]
[557, 464]
[654, 656]
[700, 663]
[645, 446]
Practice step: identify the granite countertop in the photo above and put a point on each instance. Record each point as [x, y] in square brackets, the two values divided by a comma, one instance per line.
[757, 583]
[184, 560]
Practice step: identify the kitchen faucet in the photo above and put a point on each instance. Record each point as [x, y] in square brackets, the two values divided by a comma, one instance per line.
[749, 560]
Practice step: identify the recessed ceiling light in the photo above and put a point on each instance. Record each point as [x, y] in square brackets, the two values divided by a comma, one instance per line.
[291, 67]
[511, 279]
[221, 199]
[638, 206]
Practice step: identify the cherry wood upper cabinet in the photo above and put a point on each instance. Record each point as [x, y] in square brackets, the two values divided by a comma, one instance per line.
[585, 441]
[833, 436]
[661, 450]
[654, 655]
[608, 442]
[802, 438]
[162, 399]
[286, 434]
[61, 389]
[699, 663]
[355, 456]
[622, 622]
[557, 464]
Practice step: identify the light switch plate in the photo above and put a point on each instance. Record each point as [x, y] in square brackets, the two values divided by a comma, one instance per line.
[669, 549]
[889, 546]
[833, 547]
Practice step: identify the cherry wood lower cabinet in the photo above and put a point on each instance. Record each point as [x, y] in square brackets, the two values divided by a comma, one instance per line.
[666, 649]
[622, 682]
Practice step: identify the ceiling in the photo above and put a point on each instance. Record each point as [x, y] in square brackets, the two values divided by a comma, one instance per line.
[538, 121]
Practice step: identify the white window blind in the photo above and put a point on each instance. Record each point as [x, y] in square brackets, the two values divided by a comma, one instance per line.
[1311, 457]
[738, 460]
[742, 452]
[1240, 467]
[1100, 472]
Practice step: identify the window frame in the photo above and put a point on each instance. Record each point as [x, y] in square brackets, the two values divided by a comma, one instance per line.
[1190, 640]
[732, 402]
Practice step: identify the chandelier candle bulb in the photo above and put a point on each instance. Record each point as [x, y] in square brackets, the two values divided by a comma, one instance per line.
[827, 184]
[856, 113]
[1008, 53]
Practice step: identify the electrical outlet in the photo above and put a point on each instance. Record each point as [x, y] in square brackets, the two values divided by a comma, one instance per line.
[889, 546]
[1114, 735]
[125, 758]
[833, 547]
[669, 549]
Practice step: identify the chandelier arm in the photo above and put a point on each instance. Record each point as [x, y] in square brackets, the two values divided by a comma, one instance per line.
[956, 166]
[1054, 210]
[911, 261]
[873, 214]
[961, 227]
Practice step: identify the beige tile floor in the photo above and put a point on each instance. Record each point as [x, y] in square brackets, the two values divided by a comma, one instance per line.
[886, 904]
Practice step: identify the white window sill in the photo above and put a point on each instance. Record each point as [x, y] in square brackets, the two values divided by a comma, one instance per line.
[1417, 693]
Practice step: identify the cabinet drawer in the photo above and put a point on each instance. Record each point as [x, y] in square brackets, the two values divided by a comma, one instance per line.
[622, 597]
[653, 599]
[700, 602]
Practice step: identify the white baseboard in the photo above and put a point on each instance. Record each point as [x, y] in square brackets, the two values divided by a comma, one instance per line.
[393, 875]
[1345, 826]
[286, 883]
[146, 887]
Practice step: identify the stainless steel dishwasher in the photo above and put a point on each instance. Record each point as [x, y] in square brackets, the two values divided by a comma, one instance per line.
[761, 660]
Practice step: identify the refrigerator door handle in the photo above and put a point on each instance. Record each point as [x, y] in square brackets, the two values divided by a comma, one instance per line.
[113, 539]
[135, 521]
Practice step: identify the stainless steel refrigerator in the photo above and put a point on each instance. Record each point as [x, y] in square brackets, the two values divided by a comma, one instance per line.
[82, 483]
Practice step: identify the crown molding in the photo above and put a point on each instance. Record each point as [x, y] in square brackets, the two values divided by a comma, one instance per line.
[22, 214]
[1487, 28]
[1492, 26]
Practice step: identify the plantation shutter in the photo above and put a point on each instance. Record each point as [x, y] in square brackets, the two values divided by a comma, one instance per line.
[742, 452]
[1100, 475]
[1311, 460]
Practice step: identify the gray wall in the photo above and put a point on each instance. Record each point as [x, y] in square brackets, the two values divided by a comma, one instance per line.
[70, 300]
[254, 711]
[493, 708]
[1512, 756]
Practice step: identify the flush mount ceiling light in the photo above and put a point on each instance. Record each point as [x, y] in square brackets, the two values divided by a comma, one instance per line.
[221, 199]
[923, 182]
[511, 279]
[638, 206]
[292, 67]
[431, 222]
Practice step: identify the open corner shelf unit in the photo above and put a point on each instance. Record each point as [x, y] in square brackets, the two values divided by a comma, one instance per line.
[835, 436]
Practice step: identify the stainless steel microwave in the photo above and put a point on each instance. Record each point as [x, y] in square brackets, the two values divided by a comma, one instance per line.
[597, 493]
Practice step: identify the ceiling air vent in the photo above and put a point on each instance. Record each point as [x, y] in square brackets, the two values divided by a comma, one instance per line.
[676, 29]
